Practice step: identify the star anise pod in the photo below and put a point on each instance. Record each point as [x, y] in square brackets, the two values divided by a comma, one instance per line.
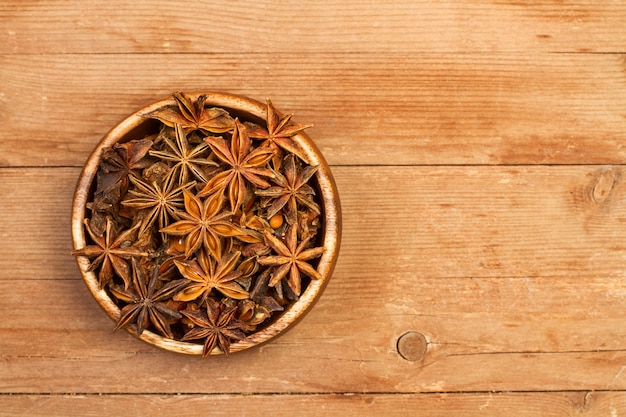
[246, 165]
[205, 275]
[252, 314]
[279, 132]
[110, 253]
[119, 162]
[291, 189]
[161, 201]
[146, 303]
[291, 258]
[219, 326]
[185, 160]
[202, 224]
[193, 116]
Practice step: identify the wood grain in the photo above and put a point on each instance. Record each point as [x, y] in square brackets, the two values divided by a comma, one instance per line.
[459, 222]
[479, 151]
[519, 335]
[35, 228]
[321, 26]
[451, 109]
[553, 404]
[513, 273]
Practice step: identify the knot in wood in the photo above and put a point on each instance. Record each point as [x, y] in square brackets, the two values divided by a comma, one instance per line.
[603, 186]
[412, 346]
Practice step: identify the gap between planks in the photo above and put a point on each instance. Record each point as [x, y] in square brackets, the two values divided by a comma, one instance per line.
[304, 393]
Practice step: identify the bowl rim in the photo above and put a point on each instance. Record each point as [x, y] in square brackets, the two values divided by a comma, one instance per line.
[329, 197]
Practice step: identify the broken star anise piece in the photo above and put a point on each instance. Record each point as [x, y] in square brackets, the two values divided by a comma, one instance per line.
[219, 327]
[123, 160]
[110, 252]
[119, 163]
[146, 303]
[252, 314]
[291, 258]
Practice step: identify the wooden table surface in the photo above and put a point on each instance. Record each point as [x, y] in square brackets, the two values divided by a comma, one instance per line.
[478, 148]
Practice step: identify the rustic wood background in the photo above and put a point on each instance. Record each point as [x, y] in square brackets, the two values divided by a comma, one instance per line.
[478, 148]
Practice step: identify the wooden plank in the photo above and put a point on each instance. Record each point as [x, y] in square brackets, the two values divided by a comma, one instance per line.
[292, 26]
[512, 274]
[447, 109]
[35, 236]
[436, 222]
[586, 404]
[481, 335]
[476, 277]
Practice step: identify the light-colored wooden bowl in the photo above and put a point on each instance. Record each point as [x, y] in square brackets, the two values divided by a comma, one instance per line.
[135, 127]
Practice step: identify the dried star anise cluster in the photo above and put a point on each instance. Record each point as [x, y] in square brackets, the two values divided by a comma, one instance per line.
[206, 229]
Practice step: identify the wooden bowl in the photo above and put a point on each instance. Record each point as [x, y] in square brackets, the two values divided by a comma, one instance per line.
[135, 127]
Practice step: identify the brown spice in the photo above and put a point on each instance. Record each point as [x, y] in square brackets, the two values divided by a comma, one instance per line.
[201, 237]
